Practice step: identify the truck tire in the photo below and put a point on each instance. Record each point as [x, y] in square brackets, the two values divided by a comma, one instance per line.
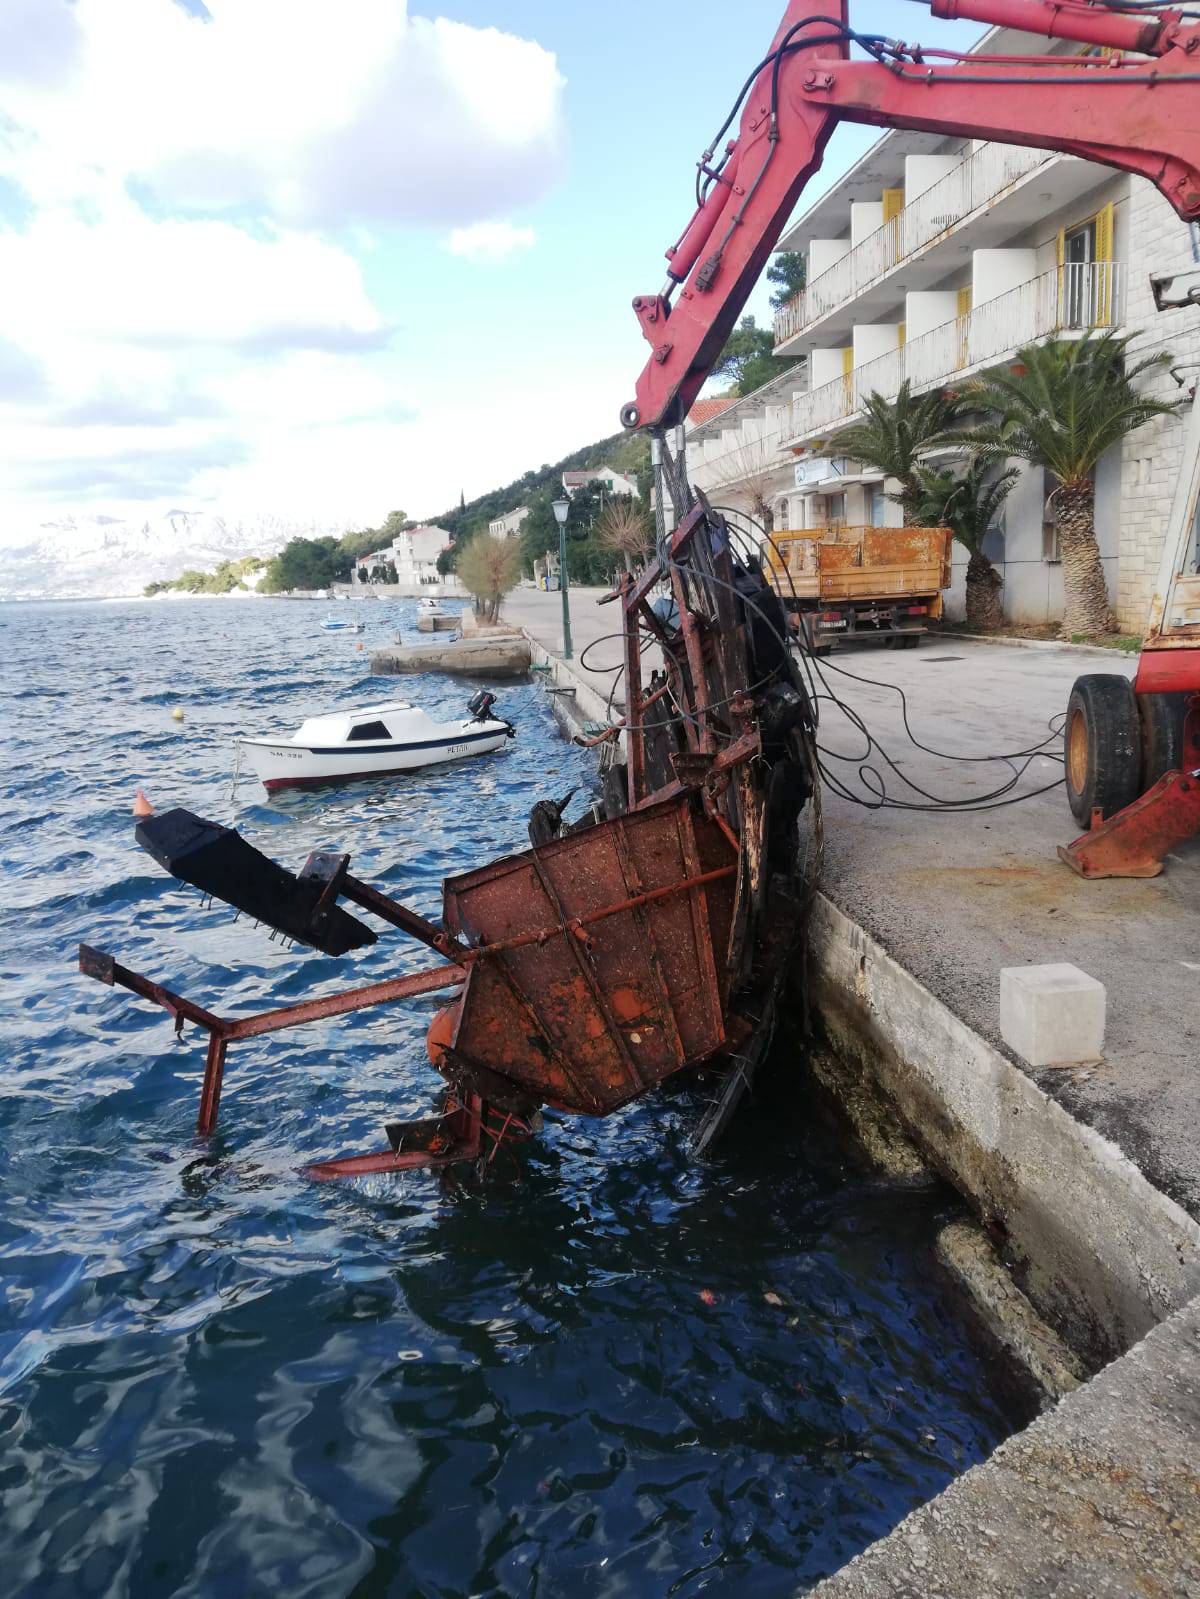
[1162, 735]
[1102, 746]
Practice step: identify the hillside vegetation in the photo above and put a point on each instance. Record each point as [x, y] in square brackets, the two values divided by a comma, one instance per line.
[589, 560]
[228, 576]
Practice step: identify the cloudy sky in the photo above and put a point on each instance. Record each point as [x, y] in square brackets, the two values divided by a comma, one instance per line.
[326, 258]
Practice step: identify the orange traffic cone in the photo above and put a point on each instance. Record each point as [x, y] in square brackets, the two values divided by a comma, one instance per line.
[141, 805]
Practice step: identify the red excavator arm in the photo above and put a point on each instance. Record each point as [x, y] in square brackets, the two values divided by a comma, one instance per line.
[1141, 115]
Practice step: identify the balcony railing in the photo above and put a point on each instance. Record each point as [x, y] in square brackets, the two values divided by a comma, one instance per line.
[973, 183]
[1070, 298]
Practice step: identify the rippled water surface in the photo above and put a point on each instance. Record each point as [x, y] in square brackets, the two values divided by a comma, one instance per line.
[611, 1371]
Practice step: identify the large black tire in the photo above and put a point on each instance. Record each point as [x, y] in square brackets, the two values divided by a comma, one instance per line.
[1103, 746]
[1162, 735]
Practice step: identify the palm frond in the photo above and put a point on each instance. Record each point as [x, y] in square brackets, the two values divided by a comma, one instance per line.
[1072, 400]
[894, 432]
[967, 505]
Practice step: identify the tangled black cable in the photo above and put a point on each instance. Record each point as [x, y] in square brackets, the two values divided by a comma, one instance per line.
[877, 797]
[870, 777]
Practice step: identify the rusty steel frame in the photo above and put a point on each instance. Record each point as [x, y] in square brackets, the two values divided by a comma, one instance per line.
[224, 1030]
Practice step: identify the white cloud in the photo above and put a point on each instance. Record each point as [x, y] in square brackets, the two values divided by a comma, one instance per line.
[126, 278]
[490, 241]
[184, 314]
[301, 110]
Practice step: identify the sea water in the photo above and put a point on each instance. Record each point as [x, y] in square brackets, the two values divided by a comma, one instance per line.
[610, 1369]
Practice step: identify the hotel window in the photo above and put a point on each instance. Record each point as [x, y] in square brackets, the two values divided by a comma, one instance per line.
[1086, 272]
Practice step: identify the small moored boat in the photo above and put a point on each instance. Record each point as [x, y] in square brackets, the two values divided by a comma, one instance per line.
[341, 624]
[432, 617]
[377, 741]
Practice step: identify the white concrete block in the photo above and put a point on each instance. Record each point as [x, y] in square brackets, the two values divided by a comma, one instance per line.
[1051, 1014]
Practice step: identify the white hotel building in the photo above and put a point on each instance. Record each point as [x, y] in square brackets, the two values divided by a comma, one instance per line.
[934, 259]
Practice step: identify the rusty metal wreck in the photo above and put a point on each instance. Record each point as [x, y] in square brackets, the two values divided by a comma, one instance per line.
[651, 936]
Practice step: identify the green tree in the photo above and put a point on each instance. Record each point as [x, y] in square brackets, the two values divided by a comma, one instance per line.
[894, 432]
[1061, 406]
[746, 361]
[968, 506]
[304, 564]
[787, 273]
[539, 530]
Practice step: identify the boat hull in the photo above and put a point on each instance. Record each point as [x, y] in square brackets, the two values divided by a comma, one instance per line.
[280, 765]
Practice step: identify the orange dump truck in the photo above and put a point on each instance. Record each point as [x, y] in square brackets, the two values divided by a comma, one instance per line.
[843, 581]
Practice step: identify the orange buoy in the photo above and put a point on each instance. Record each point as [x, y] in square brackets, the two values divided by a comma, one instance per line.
[441, 1033]
[141, 805]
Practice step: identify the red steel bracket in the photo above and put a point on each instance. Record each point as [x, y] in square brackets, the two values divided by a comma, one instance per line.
[1132, 843]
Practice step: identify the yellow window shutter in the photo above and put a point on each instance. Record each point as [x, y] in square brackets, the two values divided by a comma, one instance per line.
[1103, 296]
[893, 203]
[1104, 233]
[847, 360]
[963, 310]
[901, 334]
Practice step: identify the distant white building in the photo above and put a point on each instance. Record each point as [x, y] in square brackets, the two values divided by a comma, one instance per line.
[366, 564]
[615, 482]
[508, 525]
[415, 554]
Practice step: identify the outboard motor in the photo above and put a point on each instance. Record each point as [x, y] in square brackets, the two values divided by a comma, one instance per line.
[480, 705]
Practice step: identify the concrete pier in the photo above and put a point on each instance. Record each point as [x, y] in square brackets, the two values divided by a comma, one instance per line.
[498, 656]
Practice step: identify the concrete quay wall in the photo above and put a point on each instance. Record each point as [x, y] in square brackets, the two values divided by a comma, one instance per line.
[1101, 1253]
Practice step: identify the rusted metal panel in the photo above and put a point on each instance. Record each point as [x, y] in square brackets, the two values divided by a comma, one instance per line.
[598, 979]
[860, 562]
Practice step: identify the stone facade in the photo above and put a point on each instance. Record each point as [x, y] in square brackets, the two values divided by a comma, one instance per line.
[1151, 458]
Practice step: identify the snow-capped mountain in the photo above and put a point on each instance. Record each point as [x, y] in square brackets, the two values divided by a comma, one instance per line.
[101, 557]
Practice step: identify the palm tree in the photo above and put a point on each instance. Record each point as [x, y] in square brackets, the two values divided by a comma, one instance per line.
[896, 431]
[968, 507]
[1063, 404]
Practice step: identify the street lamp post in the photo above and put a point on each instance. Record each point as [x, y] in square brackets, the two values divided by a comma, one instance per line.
[560, 509]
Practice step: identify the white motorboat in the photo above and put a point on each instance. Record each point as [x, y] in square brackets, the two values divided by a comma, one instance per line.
[341, 624]
[377, 741]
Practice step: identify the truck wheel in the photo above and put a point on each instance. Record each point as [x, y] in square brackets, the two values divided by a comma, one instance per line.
[1162, 734]
[909, 641]
[1103, 746]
